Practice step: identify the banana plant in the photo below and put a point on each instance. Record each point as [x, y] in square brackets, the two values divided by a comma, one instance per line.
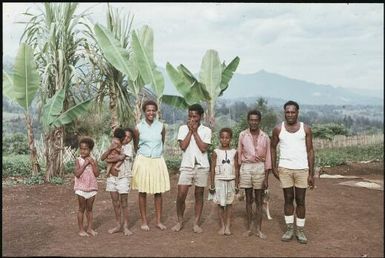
[137, 63]
[22, 87]
[214, 79]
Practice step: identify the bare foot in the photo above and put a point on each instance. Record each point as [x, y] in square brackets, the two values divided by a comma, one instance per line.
[161, 226]
[115, 229]
[145, 227]
[261, 235]
[197, 229]
[221, 231]
[177, 227]
[247, 233]
[83, 234]
[126, 232]
[92, 232]
[227, 231]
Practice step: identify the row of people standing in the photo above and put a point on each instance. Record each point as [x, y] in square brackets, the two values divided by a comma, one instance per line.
[247, 167]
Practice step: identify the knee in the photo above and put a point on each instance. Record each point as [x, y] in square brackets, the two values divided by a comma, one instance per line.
[82, 209]
[89, 208]
[300, 202]
[116, 203]
[123, 204]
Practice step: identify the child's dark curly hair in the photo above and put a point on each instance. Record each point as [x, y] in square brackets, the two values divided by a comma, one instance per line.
[119, 133]
[87, 140]
[227, 130]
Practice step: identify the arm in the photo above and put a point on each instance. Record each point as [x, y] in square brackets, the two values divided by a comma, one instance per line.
[267, 163]
[107, 152]
[237, 168]
[80, 169]
[273, 150]
[201, 145]
[163, 134]
[136, 139]
[212, 172]
[310, 156]
[239, 149]
[183, 144]
[95, 168]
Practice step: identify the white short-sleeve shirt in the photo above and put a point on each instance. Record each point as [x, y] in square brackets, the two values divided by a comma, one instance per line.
[193, 155]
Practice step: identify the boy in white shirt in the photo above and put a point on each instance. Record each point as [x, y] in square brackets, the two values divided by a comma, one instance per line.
[194, 139]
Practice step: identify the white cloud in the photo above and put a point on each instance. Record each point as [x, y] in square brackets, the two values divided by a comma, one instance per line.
[335, 44]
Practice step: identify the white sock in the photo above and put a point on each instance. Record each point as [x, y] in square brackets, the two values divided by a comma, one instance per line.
[300, 222]
[289, 219]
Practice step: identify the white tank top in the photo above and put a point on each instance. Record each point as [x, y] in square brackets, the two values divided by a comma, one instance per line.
[292, 148]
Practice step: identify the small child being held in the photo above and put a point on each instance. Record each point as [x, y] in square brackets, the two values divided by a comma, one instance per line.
[114, 150]
[86, 186]
[224, 176]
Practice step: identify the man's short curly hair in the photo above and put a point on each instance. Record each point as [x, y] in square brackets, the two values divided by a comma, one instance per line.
[87, 140]
[196, 107]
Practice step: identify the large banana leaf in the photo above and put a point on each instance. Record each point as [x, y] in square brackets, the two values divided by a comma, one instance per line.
[177, 79]
[113, 51]
[71, 114]
[176, 101]
[53, 108]
[26, 78]
[227, 74]
[145, 62]
[211, 73]
[197, 90]
[8, 86]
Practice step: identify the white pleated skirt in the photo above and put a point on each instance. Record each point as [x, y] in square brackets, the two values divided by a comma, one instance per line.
[150, 175]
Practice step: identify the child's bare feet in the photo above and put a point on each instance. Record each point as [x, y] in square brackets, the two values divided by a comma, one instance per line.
[126, 231]
[260, 234]
[145, 227]
[161, 226]
[247, 233]
[83, 234]
[221, 231]
[177, 227]
[92, 232]
[227, 231]
[115, 229]
[197, 229]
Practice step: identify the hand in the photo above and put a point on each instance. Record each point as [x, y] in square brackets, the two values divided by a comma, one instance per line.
[310, 182]
[265, 183]
[275, 173]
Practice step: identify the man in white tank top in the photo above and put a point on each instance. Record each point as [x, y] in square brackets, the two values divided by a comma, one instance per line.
[295, 170]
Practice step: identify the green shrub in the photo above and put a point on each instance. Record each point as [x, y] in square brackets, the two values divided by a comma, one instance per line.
[16, 165]
[173, 163]
[35, 180]
[339, 156]
[16, 143]
[57, 180]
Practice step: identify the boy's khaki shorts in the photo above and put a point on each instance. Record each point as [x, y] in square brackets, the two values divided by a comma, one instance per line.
[120, 185]
[197, 176]
[293, 177]
[251, 175]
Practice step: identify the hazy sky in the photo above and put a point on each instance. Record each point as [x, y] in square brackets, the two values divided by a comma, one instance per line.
[335, 44]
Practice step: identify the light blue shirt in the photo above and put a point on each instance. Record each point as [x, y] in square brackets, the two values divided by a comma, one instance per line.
[150, 139]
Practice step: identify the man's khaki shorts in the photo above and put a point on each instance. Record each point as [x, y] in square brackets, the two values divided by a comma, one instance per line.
[251, 175]
[197, 176]
[293, 177]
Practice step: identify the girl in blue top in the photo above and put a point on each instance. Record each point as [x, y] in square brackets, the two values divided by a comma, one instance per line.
[150, 174]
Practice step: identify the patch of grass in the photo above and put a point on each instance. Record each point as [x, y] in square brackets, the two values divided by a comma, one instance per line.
[340, 156]
[16, 165]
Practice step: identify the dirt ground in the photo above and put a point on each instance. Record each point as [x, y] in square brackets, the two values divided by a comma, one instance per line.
[341, 221]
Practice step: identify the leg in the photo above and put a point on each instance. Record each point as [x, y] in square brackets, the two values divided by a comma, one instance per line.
[142, 208]
[117, 210]
[124, 207]
[198, 208]
[259, 203]
[227, 214]
[221, 211]
[288, 194]
[249, 211]
[89, 205]
[300, 211]
[158, 210]
[180, 206]
[82, 208]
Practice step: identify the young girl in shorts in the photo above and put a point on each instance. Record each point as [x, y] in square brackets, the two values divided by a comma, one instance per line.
[86, 186]
[224, 176]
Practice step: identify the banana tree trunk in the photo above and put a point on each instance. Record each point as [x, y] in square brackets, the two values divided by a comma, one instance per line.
[31, 144]
[113, 108]
[210, 117]
[138, 109]
[54, 153]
